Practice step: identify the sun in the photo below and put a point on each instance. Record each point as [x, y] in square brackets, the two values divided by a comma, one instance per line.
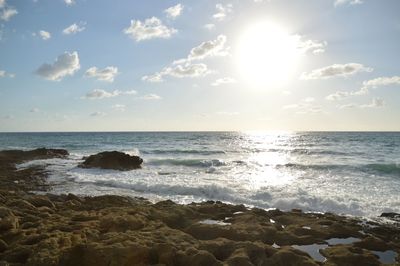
[266, 55]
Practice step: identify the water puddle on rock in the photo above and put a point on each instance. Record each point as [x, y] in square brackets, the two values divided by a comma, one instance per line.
[342, 241]
[386, 257]
[214, 222]
[312, 250]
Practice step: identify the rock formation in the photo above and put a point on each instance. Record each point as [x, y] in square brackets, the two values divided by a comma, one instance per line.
[112, 160]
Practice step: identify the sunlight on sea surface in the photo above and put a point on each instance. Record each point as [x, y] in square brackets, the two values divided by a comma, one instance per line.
[349, 172]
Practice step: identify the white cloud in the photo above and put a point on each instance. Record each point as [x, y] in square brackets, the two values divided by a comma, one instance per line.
[206, 49]
[97, 94]
[375, 103]
[149, 29]
[336, 70]
[6, 13]
[185, 68]
[179, 71]
[347, 106]
[34, 110]
[97, 114]
[305, 106]
[174, 11]
[73, 29]
[350, 2]
[105, 74]
[367, 85]
[151, 97]
[45, 35]
[4, 74]
[209, 26]
[118, 107]
[222, 11]
[69, 2]
[375, 83]
[312, 46]
[382, 81]
[226, 80]
[101, 94]
[339, 95]
[209, 48]
[2, 3]
[65, 64]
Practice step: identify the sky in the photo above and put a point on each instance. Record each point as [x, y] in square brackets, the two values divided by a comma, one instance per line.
[164, 65]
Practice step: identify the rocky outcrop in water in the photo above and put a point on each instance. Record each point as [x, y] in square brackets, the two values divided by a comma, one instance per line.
[32, 178]
[17, 156]
[112, 160]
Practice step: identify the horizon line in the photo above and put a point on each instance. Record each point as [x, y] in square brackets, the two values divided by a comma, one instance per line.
[207, 131]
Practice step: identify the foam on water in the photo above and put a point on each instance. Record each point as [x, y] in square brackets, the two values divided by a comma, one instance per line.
[350, 173]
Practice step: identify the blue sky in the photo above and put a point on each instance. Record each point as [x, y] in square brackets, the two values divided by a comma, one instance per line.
[88, 65]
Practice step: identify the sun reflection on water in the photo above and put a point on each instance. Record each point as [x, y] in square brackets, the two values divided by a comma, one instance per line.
[266, 156]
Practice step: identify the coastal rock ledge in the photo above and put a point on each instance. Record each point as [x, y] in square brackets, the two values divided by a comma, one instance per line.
[112, 160]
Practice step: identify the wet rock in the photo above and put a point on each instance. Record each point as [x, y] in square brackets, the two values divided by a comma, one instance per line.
[112, 160]
[290, 258]
[41, 153]
[21, 205]
[41, 201]
[73, 197]
[344, 255]
[373, 243]
[8, 220]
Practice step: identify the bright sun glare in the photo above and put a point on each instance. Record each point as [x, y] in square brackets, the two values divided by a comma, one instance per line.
[267, 55]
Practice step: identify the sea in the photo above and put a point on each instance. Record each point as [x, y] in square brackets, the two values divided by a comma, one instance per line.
[353, 173]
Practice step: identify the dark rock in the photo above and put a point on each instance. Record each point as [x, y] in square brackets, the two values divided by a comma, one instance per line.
[112, 160]
[3, 245]
[373, 243]
[390, 215]
[41, 153]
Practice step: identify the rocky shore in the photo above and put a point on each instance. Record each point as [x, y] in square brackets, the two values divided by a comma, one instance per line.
[113, 230]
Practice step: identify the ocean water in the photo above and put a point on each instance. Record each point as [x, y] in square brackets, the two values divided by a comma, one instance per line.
[347, 173]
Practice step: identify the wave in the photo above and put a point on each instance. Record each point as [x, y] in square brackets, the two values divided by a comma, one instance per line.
[181, 151]
[212, 191]
[385, 168]
[283, 200]
[321, 152]
[187, 162]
